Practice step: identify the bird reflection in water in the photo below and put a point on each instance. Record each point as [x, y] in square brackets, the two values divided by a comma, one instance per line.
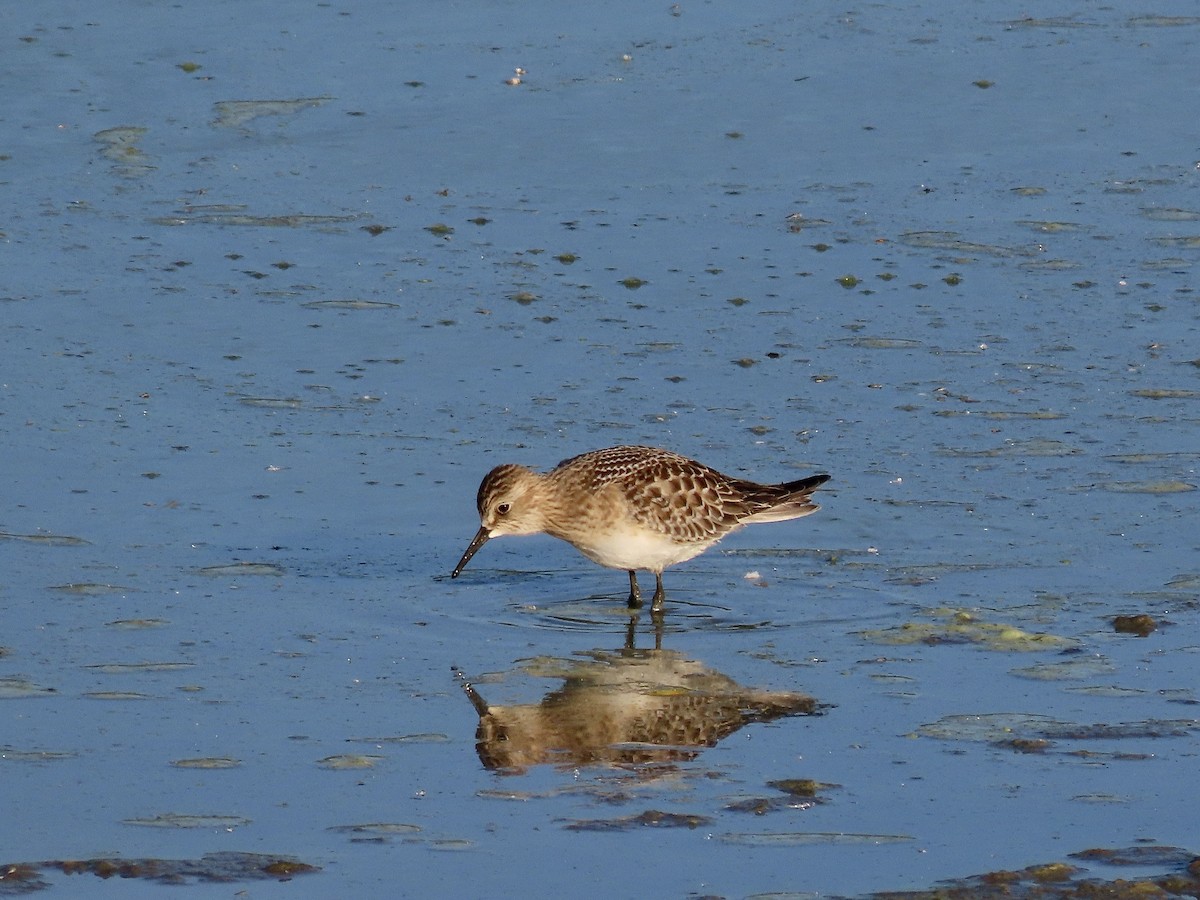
[626, 707]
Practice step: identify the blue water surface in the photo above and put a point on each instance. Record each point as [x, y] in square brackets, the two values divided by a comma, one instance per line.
[280, 282]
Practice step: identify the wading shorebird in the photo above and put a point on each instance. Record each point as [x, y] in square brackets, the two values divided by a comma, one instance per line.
[632, 508]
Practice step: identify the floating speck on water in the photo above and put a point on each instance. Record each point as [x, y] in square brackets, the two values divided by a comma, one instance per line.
[848, 281]
[632, 282]
[440, 229]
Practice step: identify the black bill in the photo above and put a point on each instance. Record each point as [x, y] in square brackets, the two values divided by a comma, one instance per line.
[481, 538]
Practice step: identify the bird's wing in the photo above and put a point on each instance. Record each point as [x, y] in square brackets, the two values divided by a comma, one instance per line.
[678, 497]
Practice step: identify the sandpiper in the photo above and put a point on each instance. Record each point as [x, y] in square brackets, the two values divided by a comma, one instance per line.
[632, 508]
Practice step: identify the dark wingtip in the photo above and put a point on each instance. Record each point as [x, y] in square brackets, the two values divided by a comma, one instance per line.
[811, 483]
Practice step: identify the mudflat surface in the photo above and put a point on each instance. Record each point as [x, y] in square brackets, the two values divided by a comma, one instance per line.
[280, 283]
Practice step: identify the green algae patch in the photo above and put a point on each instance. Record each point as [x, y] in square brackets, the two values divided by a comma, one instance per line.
[1143, 487]
[1007, 727]
[960, 627]
[120, 147]
[207, 762]
[241, 568]
[1165, 394]
[1075, 669]
[350, 761]
[808, 838]
[89, 589]
[187, 820]
[48, 540]
[236, 113]
[375, 829]
[17, 688]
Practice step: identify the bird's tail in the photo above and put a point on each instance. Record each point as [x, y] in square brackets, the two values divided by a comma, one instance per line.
[780, 502]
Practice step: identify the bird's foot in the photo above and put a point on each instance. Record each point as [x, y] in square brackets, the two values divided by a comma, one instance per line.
[635, 593]
[656, 604]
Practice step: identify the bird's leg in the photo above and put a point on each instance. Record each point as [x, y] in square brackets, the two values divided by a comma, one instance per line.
[635, 593]
[659, 593]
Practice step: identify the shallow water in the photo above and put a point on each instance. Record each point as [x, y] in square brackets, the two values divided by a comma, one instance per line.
[280, 284]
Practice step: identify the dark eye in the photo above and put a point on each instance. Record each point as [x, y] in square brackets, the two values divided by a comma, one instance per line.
[503, 508]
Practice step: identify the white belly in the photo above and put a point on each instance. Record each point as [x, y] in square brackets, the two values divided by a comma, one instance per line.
[637, 548]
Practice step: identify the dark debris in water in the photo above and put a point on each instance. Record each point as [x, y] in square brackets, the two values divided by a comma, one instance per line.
[1063, 881]
[798, 793]
[221, 868]
[1142, 625]
[653, 818]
